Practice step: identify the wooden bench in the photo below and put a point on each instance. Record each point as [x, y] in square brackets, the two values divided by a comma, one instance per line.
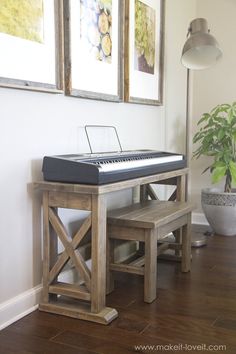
[148, 222]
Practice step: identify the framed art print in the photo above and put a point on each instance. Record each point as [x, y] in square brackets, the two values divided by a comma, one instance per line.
[143, 71]
[93, 37]
[31, 45]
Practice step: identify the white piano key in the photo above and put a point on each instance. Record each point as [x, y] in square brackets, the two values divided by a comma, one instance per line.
[115, 166]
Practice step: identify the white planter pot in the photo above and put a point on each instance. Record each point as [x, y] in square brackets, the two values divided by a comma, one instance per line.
[220, 211]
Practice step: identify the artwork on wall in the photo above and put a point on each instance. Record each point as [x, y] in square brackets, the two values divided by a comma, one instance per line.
[28, 21]
[144, 51]
[31, 45]
[78, 46]
[93, 39]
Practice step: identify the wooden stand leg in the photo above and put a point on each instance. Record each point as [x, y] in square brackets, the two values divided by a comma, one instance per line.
[180, 189]
[186, 246]
[98, 274]
[93, 289]
[46, 254]
[50, 244]
[143, 192]
[150, 267]
[110, 259]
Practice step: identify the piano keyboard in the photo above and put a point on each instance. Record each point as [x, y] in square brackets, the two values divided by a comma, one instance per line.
[109, 167]
[115, 165]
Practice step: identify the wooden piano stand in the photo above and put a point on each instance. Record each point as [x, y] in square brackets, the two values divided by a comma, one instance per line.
[85, 300]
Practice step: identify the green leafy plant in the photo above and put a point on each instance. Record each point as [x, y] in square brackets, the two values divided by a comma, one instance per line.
[217, 138]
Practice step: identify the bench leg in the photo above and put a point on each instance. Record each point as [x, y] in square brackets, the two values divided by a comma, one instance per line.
[186, 245]
[178, 239]
[150, 267]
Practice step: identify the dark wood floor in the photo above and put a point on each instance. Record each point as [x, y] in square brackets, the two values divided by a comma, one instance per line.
[198, 308]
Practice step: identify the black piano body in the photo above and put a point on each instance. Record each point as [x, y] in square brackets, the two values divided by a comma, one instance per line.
[104, 168]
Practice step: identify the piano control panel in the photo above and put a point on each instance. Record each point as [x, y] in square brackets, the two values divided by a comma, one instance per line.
[109, 167]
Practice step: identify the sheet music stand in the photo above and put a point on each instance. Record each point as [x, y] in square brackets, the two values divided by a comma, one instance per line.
[103, 136]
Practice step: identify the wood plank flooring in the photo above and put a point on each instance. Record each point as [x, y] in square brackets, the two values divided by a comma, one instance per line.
[193, 312]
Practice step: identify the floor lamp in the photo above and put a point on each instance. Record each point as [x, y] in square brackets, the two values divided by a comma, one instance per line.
[200, 51]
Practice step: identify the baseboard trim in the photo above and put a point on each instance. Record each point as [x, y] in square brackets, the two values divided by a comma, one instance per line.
[19, 306]
[199, 218]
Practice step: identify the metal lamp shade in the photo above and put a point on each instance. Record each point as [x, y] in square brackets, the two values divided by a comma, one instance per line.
[201, 49]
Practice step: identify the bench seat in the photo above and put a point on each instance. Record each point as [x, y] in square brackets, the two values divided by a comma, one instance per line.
[148, 222]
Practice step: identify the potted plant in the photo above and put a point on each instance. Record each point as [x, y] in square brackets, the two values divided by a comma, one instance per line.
[216, 138]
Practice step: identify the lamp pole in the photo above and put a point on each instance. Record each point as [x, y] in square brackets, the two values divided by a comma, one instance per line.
[200, 51]
[187, 134]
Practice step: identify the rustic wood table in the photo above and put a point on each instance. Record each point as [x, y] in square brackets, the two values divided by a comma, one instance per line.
[86, 300]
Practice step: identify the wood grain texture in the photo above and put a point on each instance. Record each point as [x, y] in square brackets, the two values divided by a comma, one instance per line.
[79, 292]
[70, 200]
[150, 267]
[50, 248]
[193, 308]
[180, 190]
[98, 273]
[148, 222]
[78, 261]
[59, 30]
[149, 214]
[186, 246]
[110, 187]
[46, 248]
[67, 47]
[126, 52]
[79, 311]
[85, 197]
[64, 256]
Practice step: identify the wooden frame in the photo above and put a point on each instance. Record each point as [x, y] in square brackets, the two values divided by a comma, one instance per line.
[90, 198]
[31, 52]
[86, 73]
[143, 78]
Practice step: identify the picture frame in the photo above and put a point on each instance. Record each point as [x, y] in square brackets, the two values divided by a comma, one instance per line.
[32, 46]
[93, 39]
[144, 51]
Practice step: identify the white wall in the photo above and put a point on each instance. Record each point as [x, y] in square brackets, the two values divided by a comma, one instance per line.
[35, 124]
[179, 15]
[217, 84]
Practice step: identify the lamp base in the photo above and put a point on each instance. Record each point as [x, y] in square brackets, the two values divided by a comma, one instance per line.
[198, 240]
